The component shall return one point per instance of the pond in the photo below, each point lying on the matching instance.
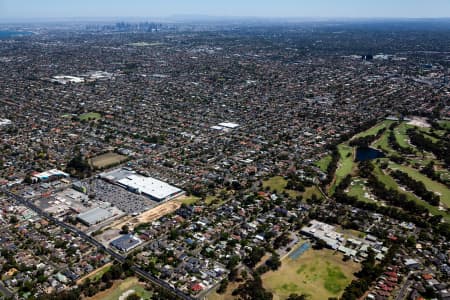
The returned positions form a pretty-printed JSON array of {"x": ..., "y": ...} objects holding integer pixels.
[{"x": 367, "y": 153}]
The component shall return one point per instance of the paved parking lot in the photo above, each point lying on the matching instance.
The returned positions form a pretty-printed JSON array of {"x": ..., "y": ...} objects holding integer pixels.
[{"x": 126, "y": 201}]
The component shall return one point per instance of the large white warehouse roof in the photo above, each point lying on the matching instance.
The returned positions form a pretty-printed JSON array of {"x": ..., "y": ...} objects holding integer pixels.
[{"x": 150, "y": 186}]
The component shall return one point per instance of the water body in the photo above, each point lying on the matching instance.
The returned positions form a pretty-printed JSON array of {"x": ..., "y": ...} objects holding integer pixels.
[
  {"x": 10, "y": 34},
  {"x": 367, "y": 153}
]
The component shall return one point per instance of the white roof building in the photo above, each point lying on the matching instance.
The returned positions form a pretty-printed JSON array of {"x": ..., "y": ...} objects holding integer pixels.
[
  {"x": 94, "y": 216},
  {"x": 149, "y": 186},
  {"x": 229, "y": 125}
]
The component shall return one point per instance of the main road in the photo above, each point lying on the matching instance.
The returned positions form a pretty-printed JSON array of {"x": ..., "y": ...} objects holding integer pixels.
[{"x": 135, "y": 268}]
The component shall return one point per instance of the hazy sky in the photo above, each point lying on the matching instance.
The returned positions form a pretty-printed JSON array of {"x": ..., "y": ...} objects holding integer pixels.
[{"x": 25, "y": 9}]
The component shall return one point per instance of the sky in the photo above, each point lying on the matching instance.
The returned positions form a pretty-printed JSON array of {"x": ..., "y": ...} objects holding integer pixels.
[{"x": 51, "y": 9}]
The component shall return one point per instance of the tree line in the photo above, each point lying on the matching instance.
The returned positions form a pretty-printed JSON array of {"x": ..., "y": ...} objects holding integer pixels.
[
  {"x": 418, "y": 187},
  {"x": 440, "y": 149}
]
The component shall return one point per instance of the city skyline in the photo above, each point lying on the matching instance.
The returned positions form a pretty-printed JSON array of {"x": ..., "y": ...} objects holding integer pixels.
[{"x": 51, "y": 9}]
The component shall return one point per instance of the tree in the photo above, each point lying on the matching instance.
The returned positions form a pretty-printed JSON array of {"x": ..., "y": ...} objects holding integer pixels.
[
  {"x": 125, "y": 229},
  {"x": 28, "y": 179},
  {"x": 255, "y": 256},
  {"x": 223, "y": 286},
  {"x": 253, "y": 290},
  {"x": 13, "y": 220},
  {"x": 274, "y": 262},
  {"x": 79, "y": 166},
  {"x": 133, "y": 296},
  {"x": 233, "y": 262}
]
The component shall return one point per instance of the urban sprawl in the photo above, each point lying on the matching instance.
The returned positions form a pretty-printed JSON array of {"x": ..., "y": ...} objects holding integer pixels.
[{"x": 225, "y": 161}]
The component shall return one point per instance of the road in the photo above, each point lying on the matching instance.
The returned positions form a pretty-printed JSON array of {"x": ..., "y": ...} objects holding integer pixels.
[
  {"x": 403, "y": 291},
  {"x": 91, "y": 240},
  {"x": 4, "y": 291}
]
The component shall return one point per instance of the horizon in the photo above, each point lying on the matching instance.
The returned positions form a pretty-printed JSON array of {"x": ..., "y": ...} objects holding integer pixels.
[{"x": 18, "y": 10}]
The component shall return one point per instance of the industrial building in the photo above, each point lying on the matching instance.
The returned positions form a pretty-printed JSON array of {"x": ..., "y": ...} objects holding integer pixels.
[
  {"x": 94, "y": 216},
  {"x": 126, "y": 242}
]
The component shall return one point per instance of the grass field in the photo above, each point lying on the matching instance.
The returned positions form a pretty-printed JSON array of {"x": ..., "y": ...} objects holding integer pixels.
[
  {"x": 312, "y": 190},
  {"x": 323, "y": 163},
  {"x": 319, "y": 274},
  {"x": 121, "y": 287},
  {"x": 106, "y": 160},
  {"x": 276, "y": 183},
  {"x": 189, "y": 200},
  {"x": 90, "y": 116}
]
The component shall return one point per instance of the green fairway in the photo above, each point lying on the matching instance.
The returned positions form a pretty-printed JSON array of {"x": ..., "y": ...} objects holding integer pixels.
[
  {"x": 318, "y": 273},
  {"x": 357, "y": 189},
  {"x": 382, "y": 143},
  {"x": 345, "y": 165},
  {"x": 445, "y": 124},
  {"x": 389, "y": 182},
  {"x": 374, "y": 130},
  {"x": 323, "y": 163},
  {"x": 90, "y": 116},
  {"x": 431, "y": 185},
  {"x": 401, "y": 136}
]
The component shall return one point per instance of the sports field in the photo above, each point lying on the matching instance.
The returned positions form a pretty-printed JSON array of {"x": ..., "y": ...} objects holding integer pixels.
[
  {"x": 318, "y": 273},
  {"x": 121, "y": 287},
  {"x": 278, "y": 184},
  {"x": 90, "y": 116},
  {"x": 106, "y": 160}
]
